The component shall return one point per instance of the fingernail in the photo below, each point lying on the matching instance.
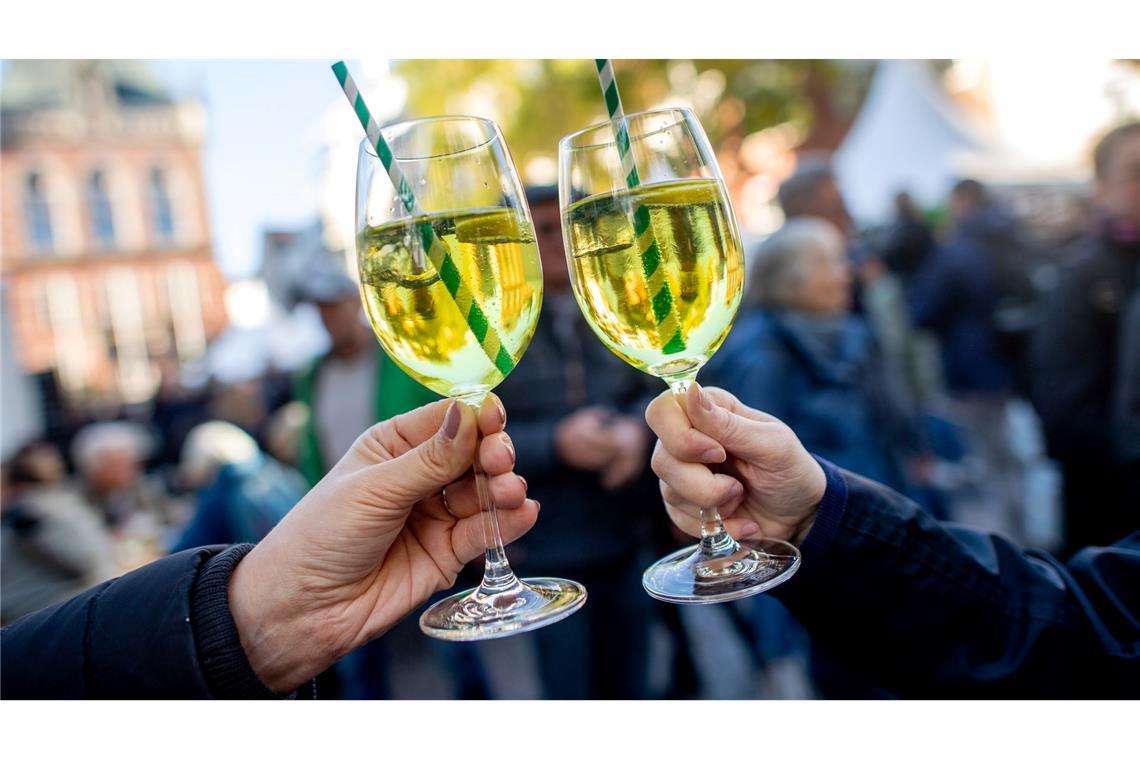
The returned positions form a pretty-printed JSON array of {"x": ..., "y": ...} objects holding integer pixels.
[
  {"x": 525, "y": 486},
  {"x": 502, "y": 412},
  {"x": 735, "y": 491},
  {"x": 706, "y": 402},
  {"x": 748, "y": 528},
  {"x": 537, "y": 504},
  {"x": 712, "y": 455},
  {"x": 451, "y": 422},
  {"x": 506, "y": 439}
]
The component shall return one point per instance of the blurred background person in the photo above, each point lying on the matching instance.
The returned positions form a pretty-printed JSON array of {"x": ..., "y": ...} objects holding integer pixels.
[
  {"x": 909, "y": 239},
  {"x": 53, "y": 544},
  {"x": 813, "y": 192},
  {"x": 955, "y": 295},
  {"x": 1076, "y": 348},
  {"x": 283, "y": 432},
  {"x": 110, "y": 459},
  {"x": 799, "y": 353},
  {"x": 354, "y": 384},
  {"x": 1126, "y": 405},
  {"x": 240, "y": 492},
  {"x": 577, "y": 421},
  {"x": 351, "y": 386}
]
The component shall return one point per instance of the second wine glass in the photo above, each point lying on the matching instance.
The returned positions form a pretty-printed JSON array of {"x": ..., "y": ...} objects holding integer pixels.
[
  {"x": 657, "y": 268},
  {"x": 452, "y": 284}
]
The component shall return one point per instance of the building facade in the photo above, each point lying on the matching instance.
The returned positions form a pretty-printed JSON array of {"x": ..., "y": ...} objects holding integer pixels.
[{"x": 106, "y": 248}]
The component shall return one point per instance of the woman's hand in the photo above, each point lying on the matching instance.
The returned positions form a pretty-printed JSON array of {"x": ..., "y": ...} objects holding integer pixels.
[{"x": 374, "y": 539}]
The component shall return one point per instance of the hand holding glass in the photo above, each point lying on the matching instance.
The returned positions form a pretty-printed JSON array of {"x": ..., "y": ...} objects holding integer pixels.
[
  {"x": 658, "y": 271},
  {"x": 457, "y": 317}
]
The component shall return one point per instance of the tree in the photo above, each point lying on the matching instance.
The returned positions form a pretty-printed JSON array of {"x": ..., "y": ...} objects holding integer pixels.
[{"x": 536, "y": 102}]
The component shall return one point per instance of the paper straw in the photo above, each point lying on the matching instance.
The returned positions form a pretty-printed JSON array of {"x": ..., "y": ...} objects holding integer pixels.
[
  {"x": 668, "y": 324},
  {"x": 437, "y": 251}
]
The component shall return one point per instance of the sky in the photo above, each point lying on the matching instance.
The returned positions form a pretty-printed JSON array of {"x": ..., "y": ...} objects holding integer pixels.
[{"x": 262, "y": 153}]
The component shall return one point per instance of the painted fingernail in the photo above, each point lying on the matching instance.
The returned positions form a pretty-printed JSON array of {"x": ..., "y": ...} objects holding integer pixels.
[
  {"x": 506, "y": 439},
  {"x": 451, "y": 422},
  {"x": 706, "y": 402}
]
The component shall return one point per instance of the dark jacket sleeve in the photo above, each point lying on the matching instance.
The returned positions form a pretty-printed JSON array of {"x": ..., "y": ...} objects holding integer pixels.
[
  {"x": 160, "y": 632},
  {"x": 933, "y": 610}
]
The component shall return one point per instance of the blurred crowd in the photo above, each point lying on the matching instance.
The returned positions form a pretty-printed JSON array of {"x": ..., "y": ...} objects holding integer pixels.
[{"x": 991, "y": 375}]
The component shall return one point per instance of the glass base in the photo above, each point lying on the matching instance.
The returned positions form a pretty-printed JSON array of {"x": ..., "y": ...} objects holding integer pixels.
[
  {"x": 689, "y": 577},
  {"x": 522, "y": 606}
]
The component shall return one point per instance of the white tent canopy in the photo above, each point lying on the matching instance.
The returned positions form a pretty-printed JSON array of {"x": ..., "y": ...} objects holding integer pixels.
[{"x": 907, "y": 136}]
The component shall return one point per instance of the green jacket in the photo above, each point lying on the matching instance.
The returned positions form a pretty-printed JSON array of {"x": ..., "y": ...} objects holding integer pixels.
[{"x": 396, "y": 393}]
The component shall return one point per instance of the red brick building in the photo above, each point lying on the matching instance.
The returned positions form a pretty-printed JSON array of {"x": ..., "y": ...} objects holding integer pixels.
[{"x": 106, "y": 255}]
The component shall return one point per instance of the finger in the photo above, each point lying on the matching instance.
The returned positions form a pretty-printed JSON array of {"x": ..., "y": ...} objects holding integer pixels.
[
  {"x": 416, "y": 426},
  {"x": 497, "y": 454},
  {"x": 467, "y": 535},
  {"x": 672, "y": 427},
  {"x": 492, "y": 415},
  {"x": 437, "y": 461},
  {"x": 508, "y": 491},
  {"x": 742, "y": 435},
  {"x": 695, "y": 483},
  {"x": 730, "y": 402},
  {"x": 726, "y": 508}
]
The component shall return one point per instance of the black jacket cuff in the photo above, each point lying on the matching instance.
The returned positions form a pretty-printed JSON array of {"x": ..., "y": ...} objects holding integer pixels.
[{"x": 223, "y": 661}]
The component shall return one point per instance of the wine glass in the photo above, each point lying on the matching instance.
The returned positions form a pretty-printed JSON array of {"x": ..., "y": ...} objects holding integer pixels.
[
  {"x": 656, "y": 265},
  {"x": 452, "y": 285}
]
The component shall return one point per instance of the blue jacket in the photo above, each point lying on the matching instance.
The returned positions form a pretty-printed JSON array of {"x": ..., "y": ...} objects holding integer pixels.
[
  {"x": 825, "y": 379},
  {"x": 927, "y": 609},
  {"x": 954, "y": 295},
  {"x": 243, "y": 503}
]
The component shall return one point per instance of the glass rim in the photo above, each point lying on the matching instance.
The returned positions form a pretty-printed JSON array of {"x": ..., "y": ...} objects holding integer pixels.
[
  {"x": 489, "y": 124},
  {"x": 683, "y": 111}
]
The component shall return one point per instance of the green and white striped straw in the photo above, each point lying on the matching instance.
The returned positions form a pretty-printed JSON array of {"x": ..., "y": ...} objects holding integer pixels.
[
  {"x": 668, "y": 323},
  {"x": 437, "y": 252}
]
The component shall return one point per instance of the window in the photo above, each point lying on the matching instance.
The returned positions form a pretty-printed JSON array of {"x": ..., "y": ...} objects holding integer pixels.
[
  {"x": 102, "y": 220},
  {"x": 161, "y": 208},
  {"x": 37, "y": 214}
]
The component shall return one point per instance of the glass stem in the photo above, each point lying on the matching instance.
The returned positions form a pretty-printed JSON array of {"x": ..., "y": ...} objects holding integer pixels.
[
  {"x": 497, "y": 573},
  {"x": 715, "y": 540}
]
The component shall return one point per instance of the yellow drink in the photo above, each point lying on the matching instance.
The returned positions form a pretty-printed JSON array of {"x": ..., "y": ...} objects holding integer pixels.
[
  {"x": 704, "y": 269},
  {"x": 415, "y": 317}
]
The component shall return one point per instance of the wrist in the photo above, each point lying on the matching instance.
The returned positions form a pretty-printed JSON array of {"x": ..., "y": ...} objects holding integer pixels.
[
  {"x": 272, "y": 630},
  {"x": 827, "y": 514}
]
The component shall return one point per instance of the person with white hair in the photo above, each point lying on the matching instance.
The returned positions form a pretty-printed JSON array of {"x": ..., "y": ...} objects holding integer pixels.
[
  {"x": 109, "y": 458},
  {"x": 241, "y": 493},
  {"x": 799, "y": 353}
]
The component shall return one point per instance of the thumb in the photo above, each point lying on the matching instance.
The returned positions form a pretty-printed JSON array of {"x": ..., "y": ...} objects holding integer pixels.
[
  {"x": 739, "y": 435},
  {"x": 437, "y": 461}
]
